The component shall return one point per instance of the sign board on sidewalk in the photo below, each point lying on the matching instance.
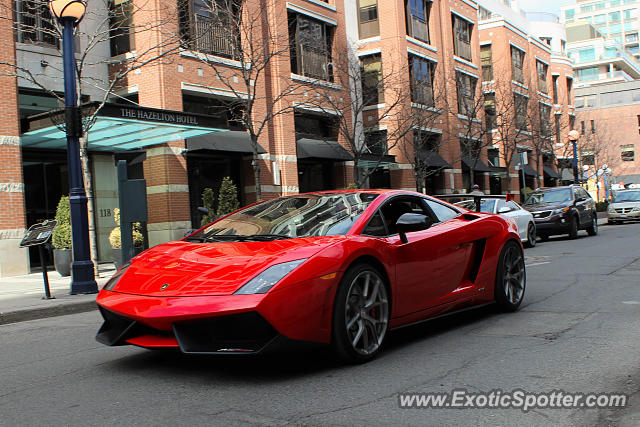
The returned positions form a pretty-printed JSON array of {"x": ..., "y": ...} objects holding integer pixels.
[{"x": 38, "y": 234}]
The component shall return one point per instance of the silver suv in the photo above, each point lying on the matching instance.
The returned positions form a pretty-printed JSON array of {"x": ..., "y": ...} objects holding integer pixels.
[{"x": 625, "y": 207}]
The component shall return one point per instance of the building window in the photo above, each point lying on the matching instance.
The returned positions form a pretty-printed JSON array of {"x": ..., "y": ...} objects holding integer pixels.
[
  {"x": 461, "y": 37},
  {"x": 368, "y": 18},
  {"x": 627, "y": 153},
  {"x": 545, "y": 119},
  {"x": 493, "y": 156},
  {"x": 421, "y": 72},
  {"x": 484, "y": 13},
  {"x": 466, "y": 87},
  {"x": 520, "y": 102},
  {"x": 517, "y": 64},
  {"x": 311, "y": 42},
  {"x": 208, "y": 26},
  {"x": 572, "y": 122},
  {"x": 557, "y": 129},
  {"x": 315, "y": 126},
  {"x": 614, "y": 17},
  {"x": 417, "y": 12},
  {"x": 371, "y": 77},
  {"x": 487, "y": 63},
  {"x": 600, "y": 19},
  {"x": 582, "y": 127},
  {"x": 121, "y": 27},
  {"x": 490, "y": 110},
  {"x": 630, "y": 38},
  {"x": 569, "y": 90},
  {"x": 542, "y": 69},
  {"x": 555, "y": 88},
  {"x": 593, "y": 126},
  {"x": 587, "y": 74},
  {"x": 35, "y": 24},
  {"x": 376, "y": 142}
]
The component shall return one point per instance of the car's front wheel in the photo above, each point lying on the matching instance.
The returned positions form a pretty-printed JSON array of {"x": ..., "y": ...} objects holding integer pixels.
[
  {"x": 360, "y": 314},
  {"x": 592, "y": 230},
  {"x": 531, "y": 235},
  {"x": 511, "y": 277},
  {"x": 573, "y": 227}
]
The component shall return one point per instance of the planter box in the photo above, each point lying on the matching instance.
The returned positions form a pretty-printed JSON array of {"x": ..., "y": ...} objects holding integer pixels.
[{"x": 62, "y": 261}]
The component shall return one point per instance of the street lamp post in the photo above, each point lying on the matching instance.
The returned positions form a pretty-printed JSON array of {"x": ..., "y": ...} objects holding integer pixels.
[
  {"x": 574, "y": 135},
  {"x": 69, "y": 13}
]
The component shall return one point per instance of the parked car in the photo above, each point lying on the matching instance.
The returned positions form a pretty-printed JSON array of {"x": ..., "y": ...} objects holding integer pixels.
[
  {"x": 340, "y": 268},
  {"x": 524, "y": 218},
  {"x": 624, "y": 207},
  {"x": 562, "y": 210}
]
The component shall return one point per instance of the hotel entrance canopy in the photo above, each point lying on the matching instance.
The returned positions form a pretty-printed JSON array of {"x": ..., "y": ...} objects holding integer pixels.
[{"x": 121, "y": 127}]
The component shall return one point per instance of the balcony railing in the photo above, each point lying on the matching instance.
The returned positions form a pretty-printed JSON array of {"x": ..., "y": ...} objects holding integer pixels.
[
  {"x": 462, "y": 49},
  {"x": 518, "y": 74},
  {"x": 313, "y": 63},
  {"x": 419, "y": 29},
  {"x": 212, "y": 36}
]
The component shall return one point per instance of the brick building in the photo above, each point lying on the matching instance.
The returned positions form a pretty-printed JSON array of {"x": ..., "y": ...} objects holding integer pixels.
[{"x": 176, "y": 119}]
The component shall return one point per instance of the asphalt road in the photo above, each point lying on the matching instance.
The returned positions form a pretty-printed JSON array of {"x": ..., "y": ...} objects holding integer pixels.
[{"x": 578, "y": 331}]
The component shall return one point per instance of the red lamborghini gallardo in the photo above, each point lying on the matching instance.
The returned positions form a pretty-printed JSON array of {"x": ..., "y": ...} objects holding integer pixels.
[{"x": 339, "y": 268}]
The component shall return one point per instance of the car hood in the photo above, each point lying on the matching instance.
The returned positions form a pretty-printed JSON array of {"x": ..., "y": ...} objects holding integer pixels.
[
  {"x": 545, "y": 206},
  {"x": 621, "y": 205},
  {"x": 198, "y": 269}
]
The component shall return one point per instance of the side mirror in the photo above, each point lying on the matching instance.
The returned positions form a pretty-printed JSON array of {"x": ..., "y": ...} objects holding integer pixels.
[
  {"x": 504, "y": 209},
  {"x": 411, "y": 222}
]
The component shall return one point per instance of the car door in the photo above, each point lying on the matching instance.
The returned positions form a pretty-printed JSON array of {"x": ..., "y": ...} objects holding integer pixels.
[
  {"x": 428, "y": 265},
  {"x": 582, "y": 205}
]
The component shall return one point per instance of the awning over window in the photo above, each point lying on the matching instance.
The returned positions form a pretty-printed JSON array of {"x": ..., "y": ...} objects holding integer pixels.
[
  {"x": 320, "y": 149},
  {"x": 121, "y": 127},
  {"x": 479, "y": 167},
  {"x": 528, "y": 170},
  {"x": 236, "y": 141},
  {"x": 432, "y": 160},
  {"x": 548, "y": 170}
]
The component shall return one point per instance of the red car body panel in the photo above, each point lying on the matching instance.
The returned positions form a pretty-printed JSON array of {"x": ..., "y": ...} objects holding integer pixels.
[{"x": 458, "y": 259}]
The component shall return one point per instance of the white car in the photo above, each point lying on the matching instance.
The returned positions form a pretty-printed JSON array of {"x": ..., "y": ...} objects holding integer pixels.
[{"x": 523, "y": 218}]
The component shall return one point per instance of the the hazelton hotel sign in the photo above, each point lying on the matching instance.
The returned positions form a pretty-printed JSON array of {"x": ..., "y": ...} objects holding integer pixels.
[{"x": 160, "y": 116}]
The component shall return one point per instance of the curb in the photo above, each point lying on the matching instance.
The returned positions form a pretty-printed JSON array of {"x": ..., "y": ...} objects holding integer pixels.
[{"x": 41, "y": 313}]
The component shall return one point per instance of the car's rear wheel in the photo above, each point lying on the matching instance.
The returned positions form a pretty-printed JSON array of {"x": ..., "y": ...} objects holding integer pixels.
[
  {"x": 573, "y": 227},
  {"x": 531, "y": 235},
  {"x": 592, "y": 230},
  {"x": 360, "y": 314},
  {"x": 511, "y": 277}
]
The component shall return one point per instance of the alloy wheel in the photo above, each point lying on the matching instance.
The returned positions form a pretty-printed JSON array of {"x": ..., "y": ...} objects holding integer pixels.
[
  {"x": 366, "y": 312},
  {"x": 513, "y": 275},
  {"x": 531, "y": 234}
]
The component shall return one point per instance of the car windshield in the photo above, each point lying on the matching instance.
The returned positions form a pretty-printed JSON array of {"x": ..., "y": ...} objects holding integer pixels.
[
  {"x": 288, "y": 217},
  {"x": 559, "y": 195},
  {"x": 627, "y": 196},
  {"x": 486, "y": 205}
]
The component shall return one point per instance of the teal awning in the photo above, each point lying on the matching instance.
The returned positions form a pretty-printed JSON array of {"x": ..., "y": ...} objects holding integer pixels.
[{"x": 121, "y": 127}]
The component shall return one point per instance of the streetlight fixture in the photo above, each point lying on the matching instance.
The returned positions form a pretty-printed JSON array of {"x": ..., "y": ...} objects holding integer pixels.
[
  {"x": 574, "y": 135},
  {"x": 69, "y": 13}
]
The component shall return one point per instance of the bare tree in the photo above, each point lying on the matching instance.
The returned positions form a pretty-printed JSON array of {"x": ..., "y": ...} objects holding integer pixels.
[
  {"x": 106, "y": 25},
  {"x": 370, "y": 117},
  {"x": 542, "y": 131},
  {"x": 253, "y": 35}
]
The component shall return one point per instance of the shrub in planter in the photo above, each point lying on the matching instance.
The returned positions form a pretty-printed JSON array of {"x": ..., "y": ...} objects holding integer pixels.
[
  {"x": 115, "y": 239},
  {"x": 61, "y": 238},
  {"x": 602, "y": 206},
  {"x": 208, "y": 198},
  {"x": 228, "y": 197}
]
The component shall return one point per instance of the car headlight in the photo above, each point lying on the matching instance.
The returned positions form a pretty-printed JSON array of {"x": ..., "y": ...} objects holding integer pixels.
[
  {"x": 268, "y": 278},
  {"x": 111, "y": 283},
  {"x": 636, "y": 209},
  {"x": 611, "y": 209},
  {"x": 559, "y": 211}
]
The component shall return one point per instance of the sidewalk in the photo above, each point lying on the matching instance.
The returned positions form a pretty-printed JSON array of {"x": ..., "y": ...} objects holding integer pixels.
[{"x": 21, "y": 297}]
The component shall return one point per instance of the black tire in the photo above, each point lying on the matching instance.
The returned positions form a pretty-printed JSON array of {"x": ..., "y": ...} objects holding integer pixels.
[
  {"x": 592, "y": 230},
  {"x": 348, "y": 303},
  {"x": 573, "y": 227},
  {"x": 531, "y": 235},
  {"x": 543, "y": 237},
  {"x": 511, "y": 277}
]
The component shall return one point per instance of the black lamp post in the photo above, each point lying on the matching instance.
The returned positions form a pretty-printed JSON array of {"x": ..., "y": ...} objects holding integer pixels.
[
  {"x": 69, "y": 13},
  {"x": 574, "y": 135}
]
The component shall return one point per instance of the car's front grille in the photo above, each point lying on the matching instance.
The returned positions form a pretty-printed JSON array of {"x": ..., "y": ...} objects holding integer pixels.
[
  {"x": 623, "y": 210},
  {"x": 116, "y": 329},
  {"x": 541, "y": 214}
]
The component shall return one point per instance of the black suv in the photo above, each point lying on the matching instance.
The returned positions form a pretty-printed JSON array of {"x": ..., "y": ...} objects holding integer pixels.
[{"x": 560, "y": 210}]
